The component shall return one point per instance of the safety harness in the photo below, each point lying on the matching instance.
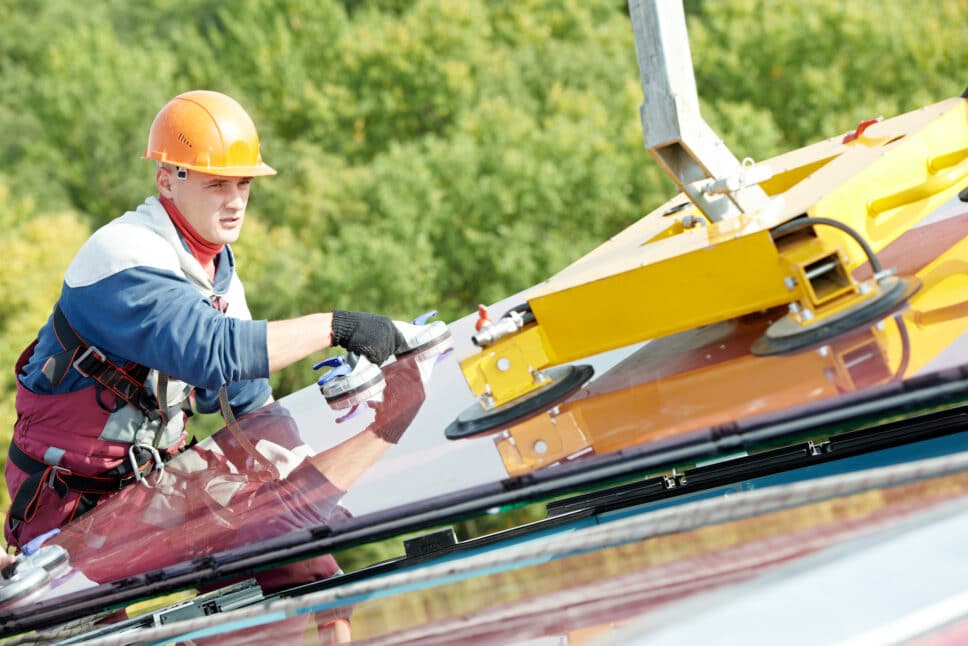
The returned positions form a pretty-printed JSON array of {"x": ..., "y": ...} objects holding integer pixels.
[{"x": 127, "y": 385}]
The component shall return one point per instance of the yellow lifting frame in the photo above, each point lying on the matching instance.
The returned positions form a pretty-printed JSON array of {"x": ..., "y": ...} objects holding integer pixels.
[
  {"x": 675, "y": 279},
  {"x": 920, "y": 160}
]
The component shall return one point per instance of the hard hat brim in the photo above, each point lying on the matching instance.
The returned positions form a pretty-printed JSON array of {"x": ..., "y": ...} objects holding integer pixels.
[{"x": 262, "y": 170}]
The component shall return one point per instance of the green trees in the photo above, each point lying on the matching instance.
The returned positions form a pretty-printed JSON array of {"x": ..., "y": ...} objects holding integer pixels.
[
  {"x": 32, "y": 244},
  {"x": 818, "y": 68},
  {"x": 431, "y": 153}
]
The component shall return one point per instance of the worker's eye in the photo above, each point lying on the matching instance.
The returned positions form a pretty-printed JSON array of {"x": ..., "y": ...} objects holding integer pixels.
[{"x": 245, "y": 182}]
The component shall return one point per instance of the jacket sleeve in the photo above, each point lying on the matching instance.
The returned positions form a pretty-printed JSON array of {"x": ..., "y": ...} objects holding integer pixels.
[{"x": 143, "y": 309}]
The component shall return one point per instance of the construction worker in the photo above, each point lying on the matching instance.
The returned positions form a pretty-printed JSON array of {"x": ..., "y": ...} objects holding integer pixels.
[{"x": 152, "y": 317}]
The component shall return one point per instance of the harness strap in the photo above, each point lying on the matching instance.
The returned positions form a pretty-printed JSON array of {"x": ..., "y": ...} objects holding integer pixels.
[
  {"x": 127, "y": 385},
  {"x": 232, "y": 424},
  {"x": 163, "y": 408},
  {"x": 62, "y": 480}
]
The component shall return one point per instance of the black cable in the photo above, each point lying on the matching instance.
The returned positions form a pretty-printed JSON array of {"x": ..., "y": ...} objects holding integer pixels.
[
  {"x": 806, "y": 221},
  {"x": 902, "y": 366}
]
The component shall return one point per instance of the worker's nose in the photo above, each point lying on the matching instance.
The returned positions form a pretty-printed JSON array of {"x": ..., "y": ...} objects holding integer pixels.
[{"x": 237, "y": 198}]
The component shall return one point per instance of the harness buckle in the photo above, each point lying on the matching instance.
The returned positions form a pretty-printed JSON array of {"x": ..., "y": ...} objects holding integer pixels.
[
  {"x": 136, "y": 469},
  {"x": 91, "y": 350},
  {"x": 53, "y": 475}
]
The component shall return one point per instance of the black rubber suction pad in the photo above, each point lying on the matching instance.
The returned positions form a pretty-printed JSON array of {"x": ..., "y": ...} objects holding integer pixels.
[
  {"x": 787, "y": 335},
  {"x": 476, "y": 419}
]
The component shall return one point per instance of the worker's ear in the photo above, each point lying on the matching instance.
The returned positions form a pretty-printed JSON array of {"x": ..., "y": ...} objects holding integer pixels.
[{"x": 163, "y": 182}]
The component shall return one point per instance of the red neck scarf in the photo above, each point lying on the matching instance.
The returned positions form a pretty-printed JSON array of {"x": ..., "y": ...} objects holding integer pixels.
[{"x": 203, "y": 250}]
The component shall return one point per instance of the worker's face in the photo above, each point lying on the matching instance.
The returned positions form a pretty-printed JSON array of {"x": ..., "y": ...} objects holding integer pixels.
[{"x": 213, "y": 204}]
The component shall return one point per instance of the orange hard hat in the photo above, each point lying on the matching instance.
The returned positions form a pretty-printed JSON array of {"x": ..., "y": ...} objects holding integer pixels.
[{"x": 207, "y": 132}]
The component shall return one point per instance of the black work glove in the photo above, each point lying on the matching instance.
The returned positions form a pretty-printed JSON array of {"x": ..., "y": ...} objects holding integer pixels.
[{"x": 373, "y": 336}]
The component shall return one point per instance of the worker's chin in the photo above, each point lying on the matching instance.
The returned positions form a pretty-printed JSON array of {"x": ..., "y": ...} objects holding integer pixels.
[{"x": 229, "y": 235}]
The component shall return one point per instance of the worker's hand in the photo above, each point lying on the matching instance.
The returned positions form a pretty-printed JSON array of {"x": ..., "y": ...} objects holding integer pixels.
[{"x": 373, "y": 336}]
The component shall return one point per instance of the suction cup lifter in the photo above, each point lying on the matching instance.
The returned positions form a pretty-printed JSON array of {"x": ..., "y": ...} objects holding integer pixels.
[
  {"x": 559, "y": 383},
  {"x": 349, "y": 374},
  {"x": 509, "y": 375},
  {"x": 792, "y": 265},
  {"x": 766, "y": 242},
  {"x": 30, "y": 575},
  {"x": 829, "y": 300},
  {"x": 352, "y": 375},
  {"x": 420, "y": 334}
]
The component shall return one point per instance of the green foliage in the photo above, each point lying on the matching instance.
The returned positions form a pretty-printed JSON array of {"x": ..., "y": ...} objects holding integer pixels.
[
  {"x": 820, "y": 67},
  {"x": 431, "y": 153},
  {"x": 31, "y": 244}
]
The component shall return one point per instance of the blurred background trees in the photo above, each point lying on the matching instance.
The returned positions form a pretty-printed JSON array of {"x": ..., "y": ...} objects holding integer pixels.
[{"x": 432, "y": 154}]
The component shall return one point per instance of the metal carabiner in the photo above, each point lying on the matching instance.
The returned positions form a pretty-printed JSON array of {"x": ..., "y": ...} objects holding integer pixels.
[{"x": 155, "y": 455}]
